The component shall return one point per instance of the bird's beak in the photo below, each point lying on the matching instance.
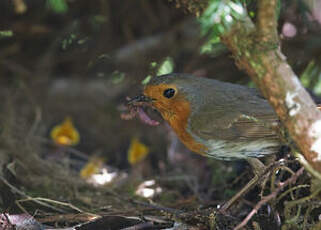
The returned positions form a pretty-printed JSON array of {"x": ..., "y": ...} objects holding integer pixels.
[{"x": 140, "y": 99}]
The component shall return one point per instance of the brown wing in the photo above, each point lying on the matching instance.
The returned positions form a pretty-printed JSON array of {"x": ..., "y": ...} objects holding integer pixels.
[{"x": 241, "y": 123}]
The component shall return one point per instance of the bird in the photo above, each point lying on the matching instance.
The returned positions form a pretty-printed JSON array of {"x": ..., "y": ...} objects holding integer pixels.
[{"x": 216, "y": 119}]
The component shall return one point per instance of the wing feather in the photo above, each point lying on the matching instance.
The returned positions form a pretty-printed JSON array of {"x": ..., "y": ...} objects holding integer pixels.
[{"x": 234, "y": 122}]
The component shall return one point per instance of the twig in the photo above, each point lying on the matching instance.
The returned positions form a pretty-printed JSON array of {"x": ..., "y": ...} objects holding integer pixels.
[
  {"x": 79, "y": 217},
  {"x": 300, "y": 201},
  {"x": 291, "y": 190},
  {"x": 38, "y": 115},
  {"x": 267, "y": 198},
  {"x": 169, "y": 210},
  {"x": 274, "y": 174},
  {"x": 52, "y": 201},
  {"x": 307, "y": 166},
  {"x": 40, "y": 200},
  {"x": 16, "y": 190}
]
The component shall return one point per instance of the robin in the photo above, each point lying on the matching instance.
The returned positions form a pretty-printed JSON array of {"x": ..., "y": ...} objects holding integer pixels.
[{"x": 216, "y": 119}]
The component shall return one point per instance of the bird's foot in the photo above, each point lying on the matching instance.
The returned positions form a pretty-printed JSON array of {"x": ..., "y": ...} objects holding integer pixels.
[{"x": 260, "y": 178}]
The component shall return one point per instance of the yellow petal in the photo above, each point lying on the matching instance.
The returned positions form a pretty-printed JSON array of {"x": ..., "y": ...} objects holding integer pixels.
[
  {"x": 137, "y": 151},
  {"x": 93, "y": 166},
  {"x": 65, "y": 133}
]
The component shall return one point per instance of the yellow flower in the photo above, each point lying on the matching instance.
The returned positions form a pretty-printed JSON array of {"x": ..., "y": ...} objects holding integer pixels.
[
  {"x": 137, "y": 151},
  {"x": 65, "y": 133},
  {"x": 93, "y": 166}
]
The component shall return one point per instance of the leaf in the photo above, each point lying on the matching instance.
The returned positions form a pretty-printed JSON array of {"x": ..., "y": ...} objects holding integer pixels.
[
  {"x": 117, "y": 77},
  {"x": 219, "y": 16},
  {"x": 146, "y": 80},
  {"x": 311, "y": 77},
  {"x": 137, "y": 151},
  {"x": 166, "y": 67},
  {"x": 6, "y": 33},
  {"x": 58, "y": 6},
  {"x": 65, "y": 133}
]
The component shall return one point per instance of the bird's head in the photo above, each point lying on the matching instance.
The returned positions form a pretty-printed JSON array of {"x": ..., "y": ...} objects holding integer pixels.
[{"x": 170, "y": 94}]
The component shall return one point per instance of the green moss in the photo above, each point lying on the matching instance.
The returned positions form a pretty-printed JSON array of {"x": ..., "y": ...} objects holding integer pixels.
[{"x": 257, "y": 66}]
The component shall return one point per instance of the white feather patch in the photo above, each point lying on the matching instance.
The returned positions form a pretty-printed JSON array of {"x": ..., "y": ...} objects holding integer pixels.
[{"x": 233, "y": 149}]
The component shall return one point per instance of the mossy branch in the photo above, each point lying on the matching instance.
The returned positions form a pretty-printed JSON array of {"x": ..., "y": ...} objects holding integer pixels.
[
  {"x": 257, "y": 51},
  {"x": 267, "y": 20}
]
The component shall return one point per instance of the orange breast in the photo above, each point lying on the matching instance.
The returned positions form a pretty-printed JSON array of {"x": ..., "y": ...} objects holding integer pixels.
[
  {"x": 179, "y": 122},
  {"x": 176, "y": 111}
]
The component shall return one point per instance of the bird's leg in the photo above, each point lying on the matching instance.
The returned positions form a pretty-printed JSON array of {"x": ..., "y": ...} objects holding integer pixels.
[
  {"x": 257, "y": 166},
  {"x": 258, "y": 170}
]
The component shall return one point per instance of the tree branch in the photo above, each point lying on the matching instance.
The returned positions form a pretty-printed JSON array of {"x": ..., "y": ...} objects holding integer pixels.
[
  {"x": 256, "y": 51},
  {"x": 267, "y": 20}
]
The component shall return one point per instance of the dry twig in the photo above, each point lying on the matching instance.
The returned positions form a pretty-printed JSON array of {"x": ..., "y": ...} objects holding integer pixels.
[{"x": 267, "y": 198}]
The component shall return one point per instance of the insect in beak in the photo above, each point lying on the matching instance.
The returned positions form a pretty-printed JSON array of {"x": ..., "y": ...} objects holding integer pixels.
[{"x": 140, "y": 100}]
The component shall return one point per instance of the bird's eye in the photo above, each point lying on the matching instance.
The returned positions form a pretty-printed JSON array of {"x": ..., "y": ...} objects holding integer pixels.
[{"x": 169, "y": 92}]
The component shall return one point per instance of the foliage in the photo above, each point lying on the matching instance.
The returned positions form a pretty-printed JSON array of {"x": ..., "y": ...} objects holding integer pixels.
[
  {"x": 6, "y": 33},
  {"x": 216, "y": 19},
  {"x": 57, "y": 6},
  {"x": 166, "y": 66},
  {"x": 220, "y": 15},
  {"x": 311, "y": 77}
]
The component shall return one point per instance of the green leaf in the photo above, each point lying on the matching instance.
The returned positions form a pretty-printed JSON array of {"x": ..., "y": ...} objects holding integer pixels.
[
  {"x": 68, "y": 41},
  {"x": 153, "y": 64},
  {"x": 317, "y": 87},
  {"x": 146, "y": 80},
  {"x": 311, "y": 77},
  {"x": 57, "y": 6},
  {"x": 216, "y": 20},
  {"x": 6, "y": 33},
  {"x": 220, "y": 15},
  {"x": 166, "y": 67},
  {"x": 117, "y": 77},
  {"x": 213, "y": 48},
  {"x": 306, "y": 75}
]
